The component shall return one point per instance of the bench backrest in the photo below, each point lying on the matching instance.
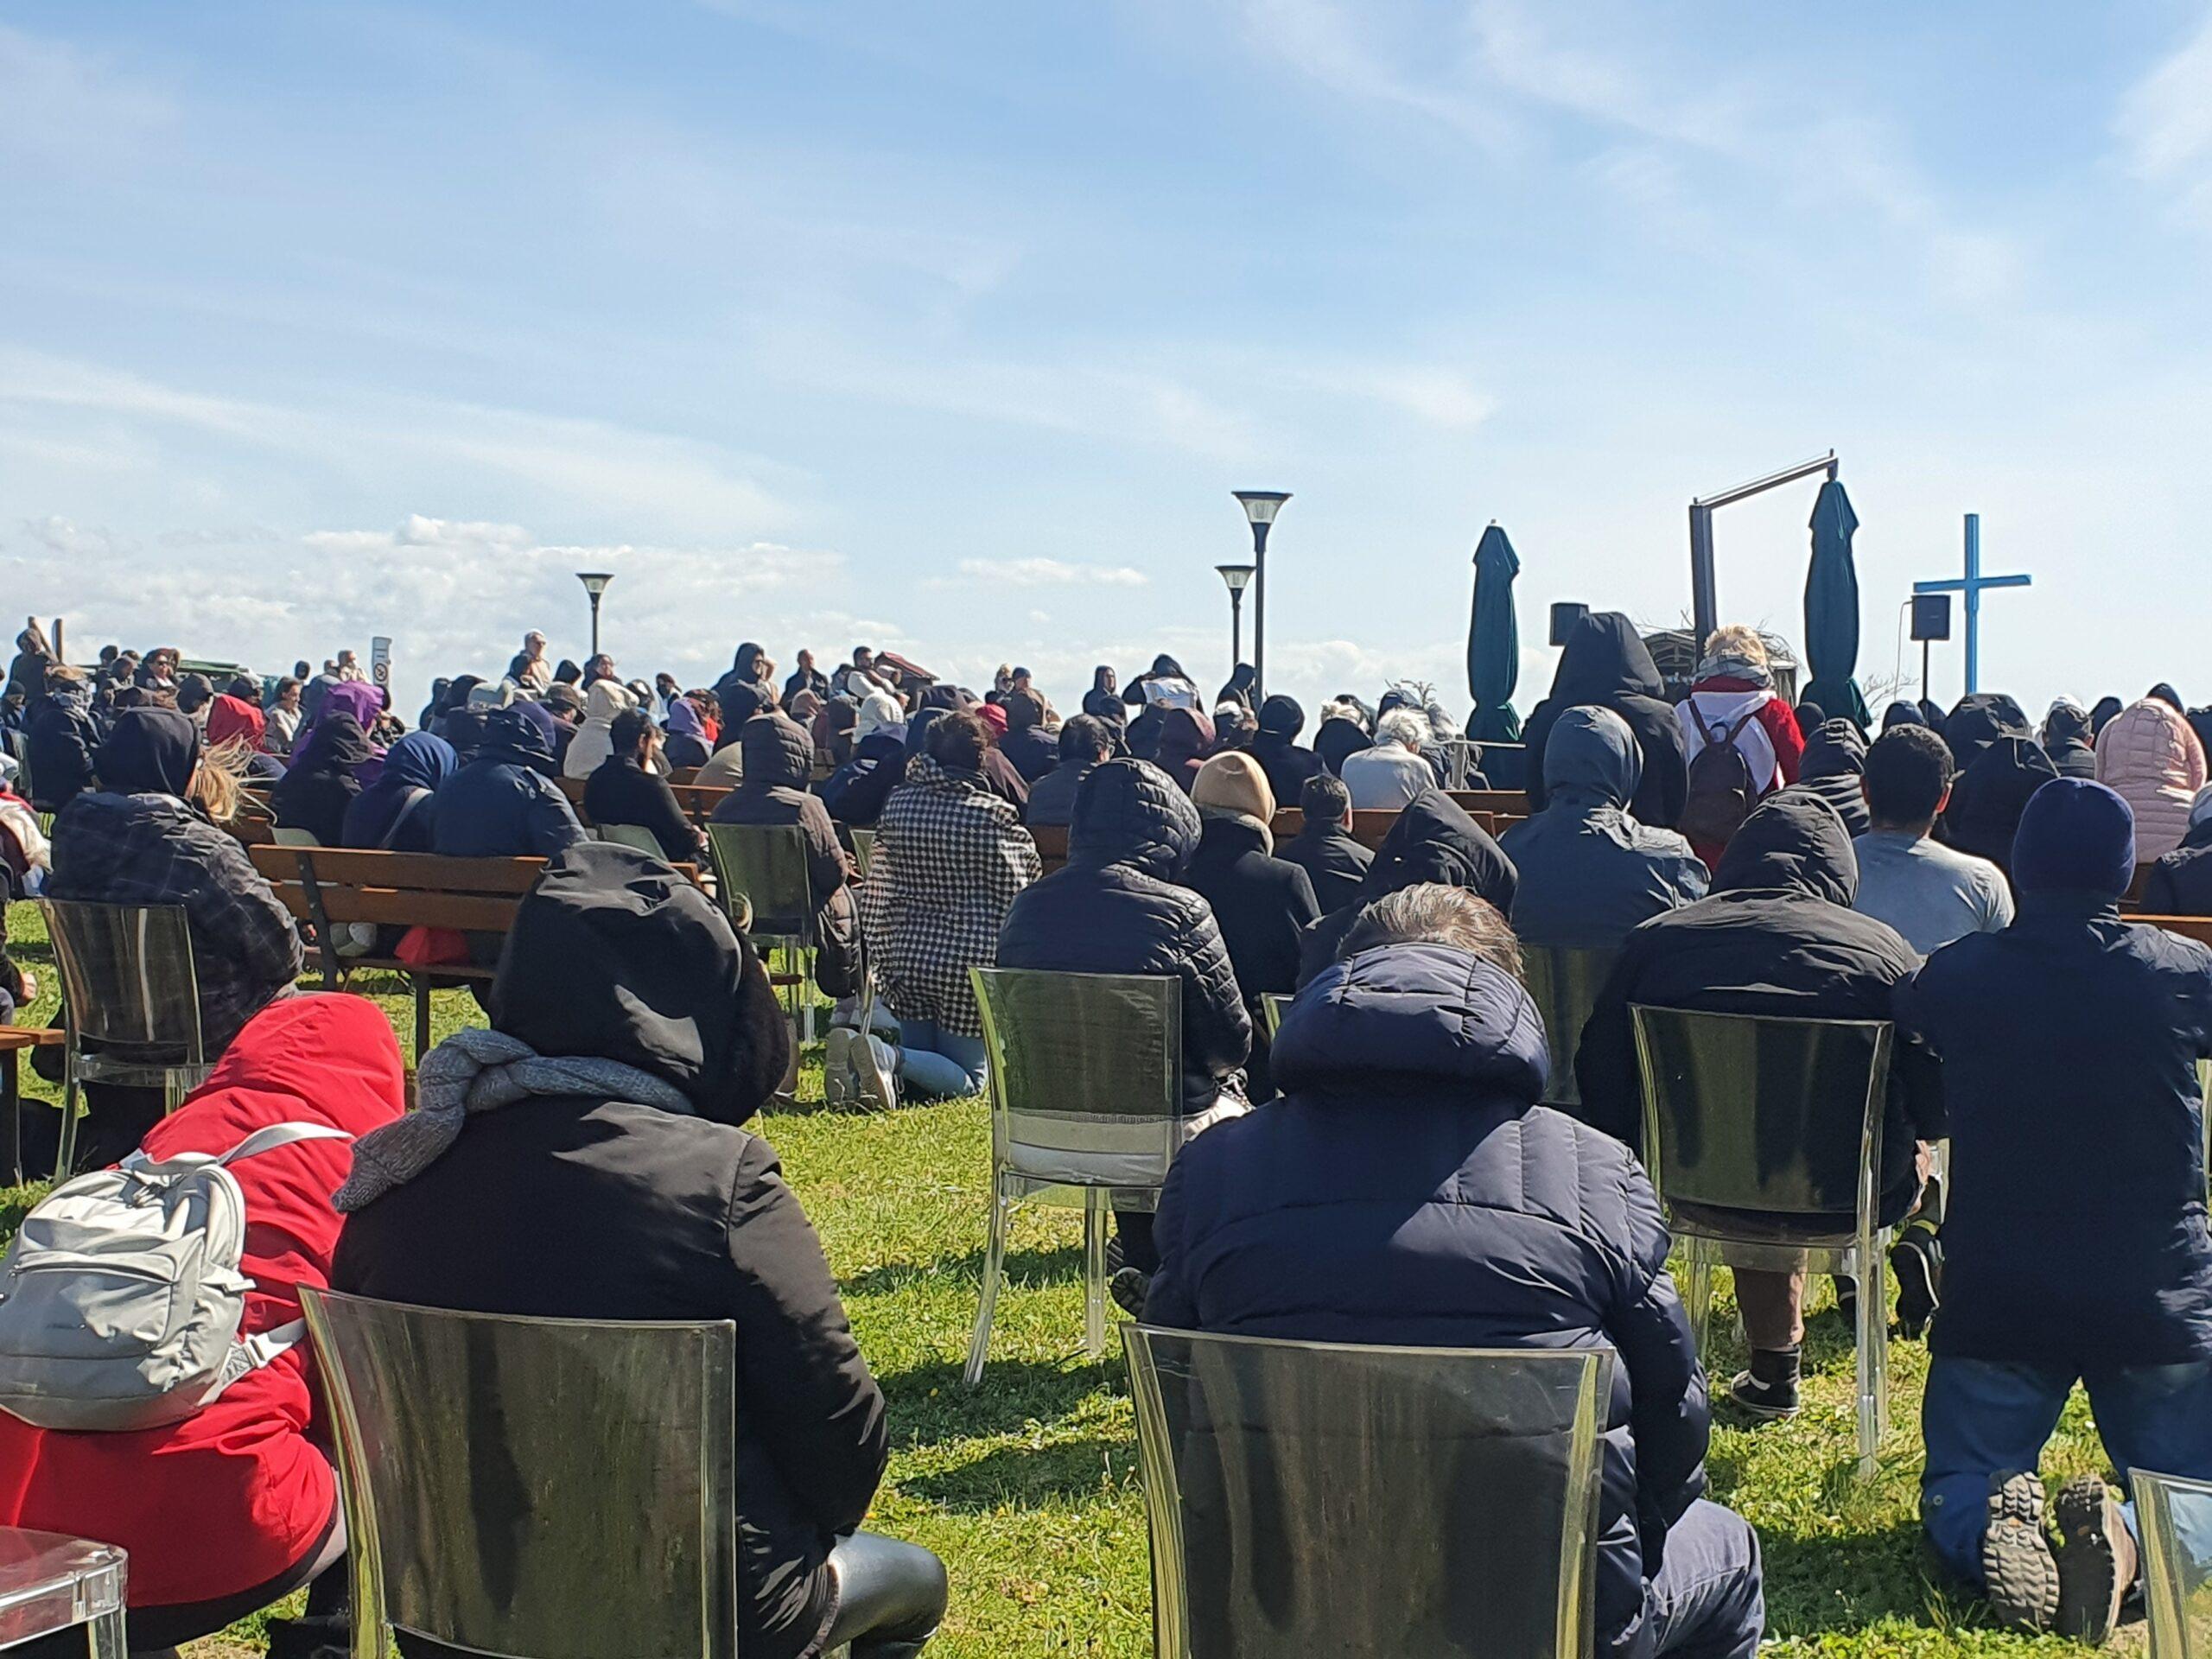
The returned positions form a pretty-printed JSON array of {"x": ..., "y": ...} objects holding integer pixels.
[{"x": 471, "y": 895}]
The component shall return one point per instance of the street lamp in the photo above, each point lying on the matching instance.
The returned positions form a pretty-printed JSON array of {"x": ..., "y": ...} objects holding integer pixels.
[
  {"x": 1239, "y": 577},
  {"x": 1261, "y": 507},
  {"x": 594, "y": 583}
]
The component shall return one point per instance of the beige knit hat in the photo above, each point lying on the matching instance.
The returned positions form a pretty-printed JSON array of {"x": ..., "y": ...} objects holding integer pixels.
[{"x": 1233, "y": 782}]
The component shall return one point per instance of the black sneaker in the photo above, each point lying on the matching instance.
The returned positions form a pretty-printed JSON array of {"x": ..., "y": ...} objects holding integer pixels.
[
  {"x": 2019, "y": 1575},
  {"x": 1847, "y": 1298},
  {"x": 1768, "y": 1401},
  {"x": 1128, "y": 1287},
  {"x": 1918, "y": 1260},
  {"x": 2096, "y": 1559}
]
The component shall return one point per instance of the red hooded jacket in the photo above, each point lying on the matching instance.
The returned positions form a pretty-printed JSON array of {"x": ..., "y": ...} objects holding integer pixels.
[{"x": 235, "y": 1495}]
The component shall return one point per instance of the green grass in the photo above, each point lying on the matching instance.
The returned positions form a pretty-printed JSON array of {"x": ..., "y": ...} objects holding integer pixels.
[{"x": 1029, "y": 1490}]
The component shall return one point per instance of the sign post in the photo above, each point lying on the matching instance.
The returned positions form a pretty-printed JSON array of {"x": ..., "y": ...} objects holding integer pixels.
[{"x": 380, "y": 662}]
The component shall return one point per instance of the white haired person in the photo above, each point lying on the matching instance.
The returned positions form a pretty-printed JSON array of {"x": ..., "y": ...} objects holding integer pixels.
[
  {"x": 1390, "y": 772},
  {"x": 1733, "y": 698}
]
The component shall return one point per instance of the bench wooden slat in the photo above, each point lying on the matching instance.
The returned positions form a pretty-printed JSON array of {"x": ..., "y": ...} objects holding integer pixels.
[
  {"x": 14, "y": 1038},
  {"x": 465, "y": 912},
  {"x": 2189, "y": 927},
  {"x": 344, "y": 866}
]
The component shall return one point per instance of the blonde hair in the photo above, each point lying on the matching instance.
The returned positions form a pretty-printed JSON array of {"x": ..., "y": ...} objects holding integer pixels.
[
  {"x": 1735, "y": 639},
  {"x": 216, "y": 781}
]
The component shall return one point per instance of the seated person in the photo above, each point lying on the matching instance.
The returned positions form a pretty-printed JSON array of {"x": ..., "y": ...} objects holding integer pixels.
[
  {"x": 324, "y": 779},
  {"x": 1390, "y": 773},
  {"x": 619, "y": 1185},
  {"x": 2074, "y": 1242},
  {"x": 1930, "y": 893},
  {"x": 1086, "y": 743},
  {"x": 1114, "y": 908},
  {"x": 778, "y": 759},
  {"x": 240, "y": 722},
  {"x": 631, "y": 787},
  {"x": 1990, "y": 793},
  {"x": 1324, "y": 848},
  {"x": 1274, "y": 746},
  {"x": 236, "y": 1506},
  {"x": 1776, "y": 936},
  {"x": 1588, "y": 872},
  {"x": 59, "y": 738},
  {"x": 397, "y": 812},
  {"x": 1834, "y": 762},
  {"x": 1433, "y": 840},
  {"x": 1028, "y": 747},
  {"x": 2180, "y": 884},
  {"x": 504, "y": 803},
  {"x": 855, "y": 792},
  {"x": 1408, "y": 1189}
]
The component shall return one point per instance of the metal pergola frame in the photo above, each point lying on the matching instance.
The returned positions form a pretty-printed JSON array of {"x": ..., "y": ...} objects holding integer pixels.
[{"x": 1704, "y": 597}]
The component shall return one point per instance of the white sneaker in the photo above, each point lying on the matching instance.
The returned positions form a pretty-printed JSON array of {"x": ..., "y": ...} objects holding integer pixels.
[
  {"x": 837, "y": 1066},
  {"x": 875, "y": 1071}
]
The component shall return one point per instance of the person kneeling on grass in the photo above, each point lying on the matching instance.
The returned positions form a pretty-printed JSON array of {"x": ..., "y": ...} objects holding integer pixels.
[
  {"x": 1407, "y": 1188},
  {"x": 2075, "y": 1246},
  {"x": 584, "y": 1159}
]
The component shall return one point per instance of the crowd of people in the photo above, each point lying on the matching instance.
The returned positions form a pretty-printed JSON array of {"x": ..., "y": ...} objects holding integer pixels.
[{"x": 1383, "y": 1171}]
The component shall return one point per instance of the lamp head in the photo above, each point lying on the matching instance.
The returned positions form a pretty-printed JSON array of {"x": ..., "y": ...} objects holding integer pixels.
[
  {"x": 1239, "y": 576},
  {"x": 594, "y": 582},
  {"x": 1261, "y": 505}
]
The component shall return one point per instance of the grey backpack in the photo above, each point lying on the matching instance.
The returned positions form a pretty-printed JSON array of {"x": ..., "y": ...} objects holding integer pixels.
[{"x": 121, "y": 1297}]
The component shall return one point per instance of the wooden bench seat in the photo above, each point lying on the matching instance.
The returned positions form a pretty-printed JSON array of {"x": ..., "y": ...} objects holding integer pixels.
[{"x": 15, "y": 1041}]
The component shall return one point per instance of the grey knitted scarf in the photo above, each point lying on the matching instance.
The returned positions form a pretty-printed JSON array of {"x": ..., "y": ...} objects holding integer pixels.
[{"x": 478, "y": 1071}]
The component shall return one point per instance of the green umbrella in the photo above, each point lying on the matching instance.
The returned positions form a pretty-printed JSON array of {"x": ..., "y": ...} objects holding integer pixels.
[
  {"x": 1832, "y": 611},
  {"x": 1494, "y": 642}
]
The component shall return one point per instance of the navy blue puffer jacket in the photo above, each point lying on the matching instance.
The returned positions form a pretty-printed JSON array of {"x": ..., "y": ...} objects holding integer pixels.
[{"x": 1405, "y": 1190}]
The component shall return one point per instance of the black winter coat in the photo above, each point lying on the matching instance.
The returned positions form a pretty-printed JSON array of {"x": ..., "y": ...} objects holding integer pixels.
[
  {"x": 1777, "y": 936},
  {"x": 1607, "y": 663},
  {"x": 1287, "y": 765},
  {"x": 855, "y": 792},
  {"x": 1114, "y": 908},
  {"x": 1835, "y": 768},
  {"x": 1406, "y": 1189},
  {"x": 1334, "y": 862},
  {"x": 778, "y": 760},
  {"x": 579, "y": 1207},
  {"x": 1032, "y": 750},
  {"x": 1990, "y": 796},
  {"x": 620, "y": 791},
  {"x": 1263, "y": 903},
  {"x": 59, "y": 744},
  {"x": 2180, "y": 884},
  {"x": 1051, "y": 798},
  {"x": 2074, "y": 1230},
  {"x": 1433, "y": 840},
  {"x": 502, "y": 804}
]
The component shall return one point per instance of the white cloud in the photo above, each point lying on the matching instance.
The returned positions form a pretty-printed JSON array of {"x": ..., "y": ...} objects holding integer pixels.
[
  {"x": 1051, "y": 573},
  {"x": 2165, "y": 123}
]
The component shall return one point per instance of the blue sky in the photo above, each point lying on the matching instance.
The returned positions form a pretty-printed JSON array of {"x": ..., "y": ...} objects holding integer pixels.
[{"x": 951, "y": 327}]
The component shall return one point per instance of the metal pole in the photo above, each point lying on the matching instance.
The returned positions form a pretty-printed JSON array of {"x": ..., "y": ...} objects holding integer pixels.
[
  {"x": 1235, "y": 629},
  {"x": 595, "y": 625},
  {"x": 1924, "y": 671},
  {"x": 1259, "y": 611},
  {"x": 1973, "y": 603},
  {"x": 1705, "y": 602}
]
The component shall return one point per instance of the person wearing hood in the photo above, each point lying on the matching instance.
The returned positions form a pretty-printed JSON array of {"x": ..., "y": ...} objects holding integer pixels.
[
  {"x": 2103, "y": 716},
  {"x": 741, "y": 692},
  {"x": 398, "y": 812},
  {"x": 1032, "y": 750},
  {"x": 1324, "y": 848},
  {"x": 1902, "y": 714},
  {"x": 2180, "y": 884},
  {"x": 1186, "y": 738},
  {"x": 1833, "y": 765},
  {"x": 950, "y": 857},
  {"x": 2075, "y": 1244},
  {"x": 357, "y": 698},
  {"x": 855, "y": 793},
  {"x": 1262, "y": 904},
  {"x": 324, "y": 779},
  {"x": 503, "y": 803},
  {"x": 136, "y": 840},
  {"x": 1406, "y": 1190},
  {"x": 1930, "y": 893},
  {"x": 2149, "y": 756},
  {"x": 60, "y": 740},
  {"x": 236, "y": 1506},
  {"x": 1990, "y": 795},
  {"x": 34, "y": 657},
  {"x": 778, "y": 760},
  {"x": 1606, "y": 664},
  {"x": 1977, "y": 721},
  {"x": 456, "y": 723},
  {"x": 628, "y": 788},
  {"x": 236, "y": 720},
  {"x": 1391, "y": 771},
  {"x": 687, "y": 735},
  {"x": 1433, "y": 840},
  {"x": 1274, "y": 746},
  {"x": 2067, "y": 740},
  {"x": 1339, "y": 737},
  {"x": 1103, "y": 700},
  {"x": 594, "y": 739},
  {"x": 1086, "y": 743},
  {"x": 1164, "y": 683},
  {"x": 1776, "y": 936},
  {"x": 1116, "y": 907},
  {"x": 585, "y": 1158},
  {"x": 1587, "y": 871}
]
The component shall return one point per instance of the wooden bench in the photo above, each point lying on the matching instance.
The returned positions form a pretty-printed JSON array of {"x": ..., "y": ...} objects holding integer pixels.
[
  {"x": 1498, "y": 803},
  {"x": 330, "y": 886},
  {"x": 2189, "y": 927},
  {"x": 14, "y": 1040}
]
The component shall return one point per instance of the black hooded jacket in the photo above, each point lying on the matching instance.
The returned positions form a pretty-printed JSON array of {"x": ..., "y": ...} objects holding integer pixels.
[
  {"x": 59, "y": 744},
  {"x": 778, "y": 760},
  {"x": 620, "y": 791},
  {"x": 323, "y": 781},
  {"x": 1337, "y": 741},
  {"x": 2180, "y": 884},
  {"x": 855, "y": 792},
  {"x": 1114, "y": 908},
  {"x": 1262, "y": 904},
  {"x": 1990, "y": 795},
  {"x": 1776, "y": 936},
  {"x": 1833, "y": 767},
  {"x": 502, "y": 803},
  {"x": 1433, "y": 840},
  {"x": 585, "y": 1207},
  {"x": 1607, "y": 663},
  {"x": 1275, "y": 747},
  {"x": 1979, "y": 721}
]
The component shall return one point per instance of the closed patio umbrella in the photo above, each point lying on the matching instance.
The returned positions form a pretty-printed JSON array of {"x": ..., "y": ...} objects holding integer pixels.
[
  {"x": 1832, "y": 611},
  {"x": 1494, "y": 642}
]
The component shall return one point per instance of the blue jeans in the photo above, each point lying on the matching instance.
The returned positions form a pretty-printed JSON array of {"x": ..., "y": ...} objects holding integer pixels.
[
  {"x": 1707, "y": 1602},
  {"x": 938, "y": 1063},
  {"x": 1980, "y": 1417}
]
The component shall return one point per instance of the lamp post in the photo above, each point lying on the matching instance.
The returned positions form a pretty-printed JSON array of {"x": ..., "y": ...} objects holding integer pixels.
[
  {"x": 594, "y": 583},
  {"x": 1238, "y": 578},
  {"x": 1260, "y": 507}
]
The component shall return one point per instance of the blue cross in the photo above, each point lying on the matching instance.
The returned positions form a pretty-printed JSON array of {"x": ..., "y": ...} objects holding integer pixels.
[{"x": 1974, "y": 583}]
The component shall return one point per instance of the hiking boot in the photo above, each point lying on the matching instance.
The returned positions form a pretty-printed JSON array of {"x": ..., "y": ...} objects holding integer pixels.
[
  {"x": 1918, "y": 1260},
  {"x": 2096, "y": 1559},
  {"x": 2019, "y": 1576},
  {"x": 837, "y": 1066},
  {"x": 1128, "y": 1287},
  {"x": 874, "y": 1065}
]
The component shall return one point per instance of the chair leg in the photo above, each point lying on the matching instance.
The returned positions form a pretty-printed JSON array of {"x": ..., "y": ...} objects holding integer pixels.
[
  {"x": 994, "y": 1267},
  {"x": 65, "y": 1155},
  {"x": 1094, "y": 1272},
  {"x": 1872, "y": 1356},
  {"x": 1698, "y": 1292}
]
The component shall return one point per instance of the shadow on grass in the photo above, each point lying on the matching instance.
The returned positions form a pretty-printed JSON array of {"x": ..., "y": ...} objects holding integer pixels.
[
  {"x": 1020, "y": 1476},
  {"x": 930, "y": 1406},
  {"x": 1025, "y": 1268},
  {"x": 1828, "y": 1582}
]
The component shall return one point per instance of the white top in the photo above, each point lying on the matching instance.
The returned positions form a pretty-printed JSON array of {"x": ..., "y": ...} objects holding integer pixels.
[{"x": 1930, "y": 893}]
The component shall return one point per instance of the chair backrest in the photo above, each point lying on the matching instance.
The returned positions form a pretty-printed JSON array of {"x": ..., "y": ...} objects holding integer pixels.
[
  {"x": 1367, "y": 1502},
  {"x": 1272, "y": 1006},
  {"x": 863, "y": 850},
  {"x": 1564, "y": 985},
  {"x": 635, "y": 837},
  {"x": 764, "y": 865},
  {"x": 1086, "y": 1074},
  {"x": 50, "y": 1582},
  {"x": 557, "y": 1489},
  {"x": 1752, "y": 1112},
  {"x": 127, "y": 974},
  {"x": 2173, "y": 1519},
  {"x": 283, "y": 835}
]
